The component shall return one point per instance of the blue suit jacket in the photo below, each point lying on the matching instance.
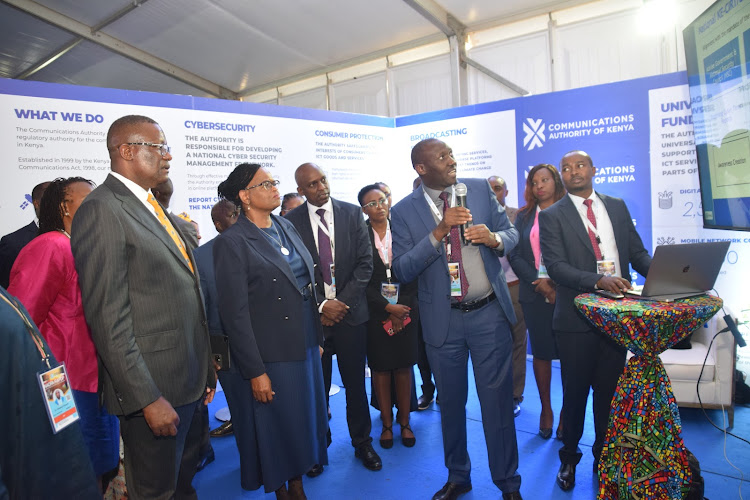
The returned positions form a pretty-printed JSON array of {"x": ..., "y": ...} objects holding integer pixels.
[
  {"x": 414, "y": 256},
  {"x": 570, "y": 259},
  {"x": 261, "y": 306},
  {"x": 204, "y": 261}
]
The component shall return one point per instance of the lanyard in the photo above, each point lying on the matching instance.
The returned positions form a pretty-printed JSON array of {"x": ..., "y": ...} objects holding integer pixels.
[
  {"x": 384, "y": 247},
  {"x": 30, "y": 328},
  {"x": 439, "y": 217},
  {"x": 435, "y": 211},
  {"x": 323, "y": 228}
]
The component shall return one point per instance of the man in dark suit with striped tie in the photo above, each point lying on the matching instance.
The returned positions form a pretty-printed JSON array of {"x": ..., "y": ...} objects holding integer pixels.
[
  {"x": 142, "y": 301},
  {"x": 336, "y": 235},
  {"x": 580, "y": 235}
]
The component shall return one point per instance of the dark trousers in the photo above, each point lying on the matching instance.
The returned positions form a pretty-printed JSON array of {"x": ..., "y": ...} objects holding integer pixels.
[
  {"x": 349, "y": 343},
  {"x": 485, "y": 334},
  {"x": 205, "y": 448},
  {"x": 588, "y": 360},
  {"x": 428, "y": 388},
  {"x": 161, "y": 468}
]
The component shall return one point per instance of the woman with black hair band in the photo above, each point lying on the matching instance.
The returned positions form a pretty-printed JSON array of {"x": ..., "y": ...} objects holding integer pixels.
[
  {"x": 392, "y": 348},
  {"x": 45, "y": 280},
  {"x": 267, "y": 304},
  {"x": 537, "y": 291}
]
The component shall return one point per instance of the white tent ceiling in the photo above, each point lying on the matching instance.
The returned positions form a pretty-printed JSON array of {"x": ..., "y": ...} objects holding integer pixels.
[{"x": 224, "y": 48}]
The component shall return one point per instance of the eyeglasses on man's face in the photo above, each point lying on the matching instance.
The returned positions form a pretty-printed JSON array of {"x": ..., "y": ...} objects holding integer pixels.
[
  {"x": 267, "y": 185},
  {"x": 377, "y": 203},
  {"x": 164, "y": 149}
]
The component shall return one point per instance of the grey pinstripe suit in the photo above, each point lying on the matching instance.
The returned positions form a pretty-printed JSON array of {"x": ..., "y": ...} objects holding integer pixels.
[{"x": 144, "y": 307}]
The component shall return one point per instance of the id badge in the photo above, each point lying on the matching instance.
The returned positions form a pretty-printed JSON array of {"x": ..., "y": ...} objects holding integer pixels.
[
  {"x": 58, "y": 397},
  {"x": 333, "y": 278},
  {"x": 454, "y": 268},
  {"x": 606, "y": 267},
  {"x": 389, "y": 291},
  {"x": 542, "y": 273}
]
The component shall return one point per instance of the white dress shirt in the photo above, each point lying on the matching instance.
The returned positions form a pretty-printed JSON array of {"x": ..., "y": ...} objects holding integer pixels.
[
  {"x": 137, "y": 191},
  {"x": 608, "y": 244}
]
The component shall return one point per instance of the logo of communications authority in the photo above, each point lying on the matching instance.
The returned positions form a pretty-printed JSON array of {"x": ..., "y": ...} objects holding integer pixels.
[{"x": 534, "y": 130}]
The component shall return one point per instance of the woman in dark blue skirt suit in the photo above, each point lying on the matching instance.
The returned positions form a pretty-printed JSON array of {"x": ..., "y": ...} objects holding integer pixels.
[
  {"x": 537, "y": 292},
  {"x": 268, "y": 309}
]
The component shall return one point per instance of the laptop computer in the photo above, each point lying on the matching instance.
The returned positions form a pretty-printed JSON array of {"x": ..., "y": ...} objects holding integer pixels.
[{"x": 681, "y": 271}]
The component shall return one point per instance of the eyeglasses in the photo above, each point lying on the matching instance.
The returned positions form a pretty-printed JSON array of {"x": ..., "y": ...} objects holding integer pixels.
[
  {"x": 164, "y": 149},
  {"x": 267, "y": 185},
  {"x": 382, "y": 202}
]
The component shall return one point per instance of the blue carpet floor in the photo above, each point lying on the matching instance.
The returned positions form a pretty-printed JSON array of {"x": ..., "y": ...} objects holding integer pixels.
[{"x": 418, "y": 472}]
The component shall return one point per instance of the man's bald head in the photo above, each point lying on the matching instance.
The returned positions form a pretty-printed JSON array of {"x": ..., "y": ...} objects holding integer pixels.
[
  {"x": 418, "y": 150},
  {"x": 122, "y": 129},
  {"x": 312, "y": 183},
  {"x": 163, "y": 192},
  {"x": 224, "y": 214},
  {"x": 499, "y": 187},
  {"x": 36, "y": 196}
]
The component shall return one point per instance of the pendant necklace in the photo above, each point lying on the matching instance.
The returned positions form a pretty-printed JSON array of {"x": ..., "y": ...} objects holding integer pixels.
[{"x": 284, "y": 250}]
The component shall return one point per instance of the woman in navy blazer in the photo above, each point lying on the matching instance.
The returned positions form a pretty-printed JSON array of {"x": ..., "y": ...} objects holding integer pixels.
[
  {"x": 537, "y": 293},
  {"x": 264, "y": 277}
]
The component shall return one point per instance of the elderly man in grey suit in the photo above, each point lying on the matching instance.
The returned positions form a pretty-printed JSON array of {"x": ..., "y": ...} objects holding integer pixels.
[{"x": 142, "y": 300}]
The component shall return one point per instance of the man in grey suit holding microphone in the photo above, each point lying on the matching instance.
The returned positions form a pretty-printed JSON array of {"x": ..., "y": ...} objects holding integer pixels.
[{"x": 142, "y": 300}]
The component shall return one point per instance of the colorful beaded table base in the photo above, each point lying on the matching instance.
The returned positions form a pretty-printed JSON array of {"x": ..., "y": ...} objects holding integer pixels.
[{"x": 643, "y": 455}]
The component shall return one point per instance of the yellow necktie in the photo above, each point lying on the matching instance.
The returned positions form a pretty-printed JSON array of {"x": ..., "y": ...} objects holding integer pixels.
[{"x": 170, "y": 228}]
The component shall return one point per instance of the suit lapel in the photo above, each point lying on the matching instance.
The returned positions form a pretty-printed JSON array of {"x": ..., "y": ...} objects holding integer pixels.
[
  {"x": 340, "y": 238},
  {"x": 140, "y": 213},
  {"x": 573, "y": 219},
  {"x": 423, "y": 210},
  {"x": 617, "y": 227},
  {"x": 265, "y": 249}
]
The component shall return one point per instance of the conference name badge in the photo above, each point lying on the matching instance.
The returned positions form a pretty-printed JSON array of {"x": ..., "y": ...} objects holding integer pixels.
[
  {"x": 606, "y": 267},
  {"x": 333, "y": 278},
  {"x": 58, "y": 397},
  {"x": 389, "y": 291},
  {"x": 454, "y": 269}
]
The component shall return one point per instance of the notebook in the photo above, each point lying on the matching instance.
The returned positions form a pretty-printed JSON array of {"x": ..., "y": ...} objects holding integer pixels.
[{"x": 681, "y": 271}]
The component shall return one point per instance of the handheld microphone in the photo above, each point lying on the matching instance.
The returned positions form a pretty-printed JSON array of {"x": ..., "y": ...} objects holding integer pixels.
[
  {"x": 460, "y": 190},
  {"x": 732, "y": 327}
]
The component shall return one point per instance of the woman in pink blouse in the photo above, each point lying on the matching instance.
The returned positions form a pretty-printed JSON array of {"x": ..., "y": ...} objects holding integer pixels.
[{"x": 45, "y": 280}]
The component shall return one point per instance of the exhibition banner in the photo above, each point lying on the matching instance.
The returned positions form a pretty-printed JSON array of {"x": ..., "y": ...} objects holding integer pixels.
[
  {"x": 638, "y": 133},
  {"x": 51, "y": 131}
]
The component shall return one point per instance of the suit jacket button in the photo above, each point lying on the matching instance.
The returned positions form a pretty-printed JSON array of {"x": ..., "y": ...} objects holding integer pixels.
[
  {"x": 286, "y": 317},
  {"x": 279, "y": 298},
  {"x": 274, "y": 279}
]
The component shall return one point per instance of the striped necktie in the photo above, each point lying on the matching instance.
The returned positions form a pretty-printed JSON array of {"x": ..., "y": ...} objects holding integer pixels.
[{"x": 594, "y": 239}]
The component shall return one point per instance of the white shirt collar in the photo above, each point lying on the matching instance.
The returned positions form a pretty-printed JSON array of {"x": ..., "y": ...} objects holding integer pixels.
[
  {"x": 327, "y": 206},
  {"x": 578, "y": 200},
  {"x": 137, "y": 190}
]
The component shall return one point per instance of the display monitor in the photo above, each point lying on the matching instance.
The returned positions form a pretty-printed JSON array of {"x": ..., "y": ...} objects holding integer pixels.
[{"x": 717, "y": 50}]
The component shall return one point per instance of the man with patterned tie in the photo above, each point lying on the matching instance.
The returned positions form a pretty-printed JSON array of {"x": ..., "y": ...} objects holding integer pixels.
[
  {"x": 336, "y": 235},
  {"x": 142, "y": 299},
  {"x": 465, "y": 308},
  {"x": 583, "y": 237}
]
